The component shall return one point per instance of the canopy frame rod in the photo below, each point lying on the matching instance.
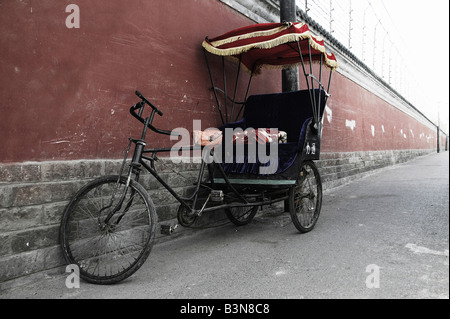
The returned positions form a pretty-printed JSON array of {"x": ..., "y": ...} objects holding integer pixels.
[
  {"x": 307, "y": 82},
  {"x": 224, "y": 116},
  {"x": 316, "y": 118},
  {"x": 225, "y": 87},
  {"x": 246, "y": 93},
  {"x": 213, "y": 86},
  {"x": 235, "y": 86},
  {"x": 316, "y": 107}
]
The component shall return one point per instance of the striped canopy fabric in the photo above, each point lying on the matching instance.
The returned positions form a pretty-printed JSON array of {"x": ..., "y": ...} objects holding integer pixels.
[{"x": 271, "y": 45}]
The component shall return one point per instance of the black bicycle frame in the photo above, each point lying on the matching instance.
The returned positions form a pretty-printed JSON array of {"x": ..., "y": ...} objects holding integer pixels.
[{"x": 139, "y": 161}]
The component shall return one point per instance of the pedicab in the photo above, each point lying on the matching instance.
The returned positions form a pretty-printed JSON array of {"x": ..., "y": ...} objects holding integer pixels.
[{"x": 263, "y": 153}]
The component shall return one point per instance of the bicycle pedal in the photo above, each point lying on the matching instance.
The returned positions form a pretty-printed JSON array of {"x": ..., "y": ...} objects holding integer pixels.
[
  {"x": 168, "y": 229},
  {"x": 217, "y": 196}
]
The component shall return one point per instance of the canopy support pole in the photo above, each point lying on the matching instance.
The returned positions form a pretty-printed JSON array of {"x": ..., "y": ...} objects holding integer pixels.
[
  {"x": 246, "y": 93},
  {"x": 213, "y": 86},
  {"x": 235, "y": 87},
  {"x": 327, "y": 94},
  {"x": 329, "y": 84},
  {"x": 225, "y": 88},
  {"x": 316, "y": 115},
  {"x": 320, "y": 96},
  {"x": 306, "y": 78}
]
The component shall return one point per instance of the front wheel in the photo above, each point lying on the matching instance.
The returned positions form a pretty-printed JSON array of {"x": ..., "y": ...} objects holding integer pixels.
[
  {"x": 305, "y": 199},
  {"x": 108, "y": 251}
]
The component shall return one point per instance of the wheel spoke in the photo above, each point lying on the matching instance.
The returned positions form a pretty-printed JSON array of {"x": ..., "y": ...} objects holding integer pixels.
[
  {"x": 109, "y": 252},
  {"x": 306, "y": 198}
]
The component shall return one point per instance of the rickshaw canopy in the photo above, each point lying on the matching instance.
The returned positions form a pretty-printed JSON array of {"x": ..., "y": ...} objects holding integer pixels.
[{"x": 271, "y": 45}]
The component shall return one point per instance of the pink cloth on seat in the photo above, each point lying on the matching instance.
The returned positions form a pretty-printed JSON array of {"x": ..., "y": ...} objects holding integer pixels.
[{"x": 212, "y": 137}]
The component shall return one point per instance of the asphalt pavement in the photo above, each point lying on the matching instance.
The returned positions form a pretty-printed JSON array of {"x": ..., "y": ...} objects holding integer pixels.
[{"x": 384, "y": 236}]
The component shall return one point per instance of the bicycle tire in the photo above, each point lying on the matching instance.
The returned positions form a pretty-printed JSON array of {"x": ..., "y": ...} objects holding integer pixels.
[
  {"x": 305, "y": 199},
  {"x": 241, "y": 216},
  {"x": 108, "y": 253}
]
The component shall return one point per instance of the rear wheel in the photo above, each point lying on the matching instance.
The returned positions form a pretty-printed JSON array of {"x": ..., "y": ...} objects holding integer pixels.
[
  {"x": 241, "y": 216},
  {"x": 305, "y": 199},
  {"x": 108, "y": 252}
]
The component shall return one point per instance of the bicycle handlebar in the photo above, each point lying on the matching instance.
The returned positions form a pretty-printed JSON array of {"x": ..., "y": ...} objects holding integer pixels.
[
  {"x": 148, "y": 102},
  {"x": 139, "y": 117}
]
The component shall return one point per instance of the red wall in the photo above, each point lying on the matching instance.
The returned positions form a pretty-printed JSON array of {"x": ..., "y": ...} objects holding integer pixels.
[
  {"x": 392, "y": 128},
  {"x": 65, "y": 93}
]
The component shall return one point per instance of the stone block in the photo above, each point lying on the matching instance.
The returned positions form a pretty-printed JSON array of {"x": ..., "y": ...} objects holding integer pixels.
[
  {"x": 20, "y": 173},
  {"x": 17, "y": 218}
]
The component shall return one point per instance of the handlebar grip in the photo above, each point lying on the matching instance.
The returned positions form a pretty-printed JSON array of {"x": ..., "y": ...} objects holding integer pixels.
[{"x": 139, "y": 94}]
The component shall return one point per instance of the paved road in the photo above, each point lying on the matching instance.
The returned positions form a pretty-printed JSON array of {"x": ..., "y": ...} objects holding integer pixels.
[{"x": 383, "y": 236}]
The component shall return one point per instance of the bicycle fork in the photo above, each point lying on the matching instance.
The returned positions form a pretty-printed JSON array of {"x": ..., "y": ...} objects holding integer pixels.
[{"x": 134, "y": 169}]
